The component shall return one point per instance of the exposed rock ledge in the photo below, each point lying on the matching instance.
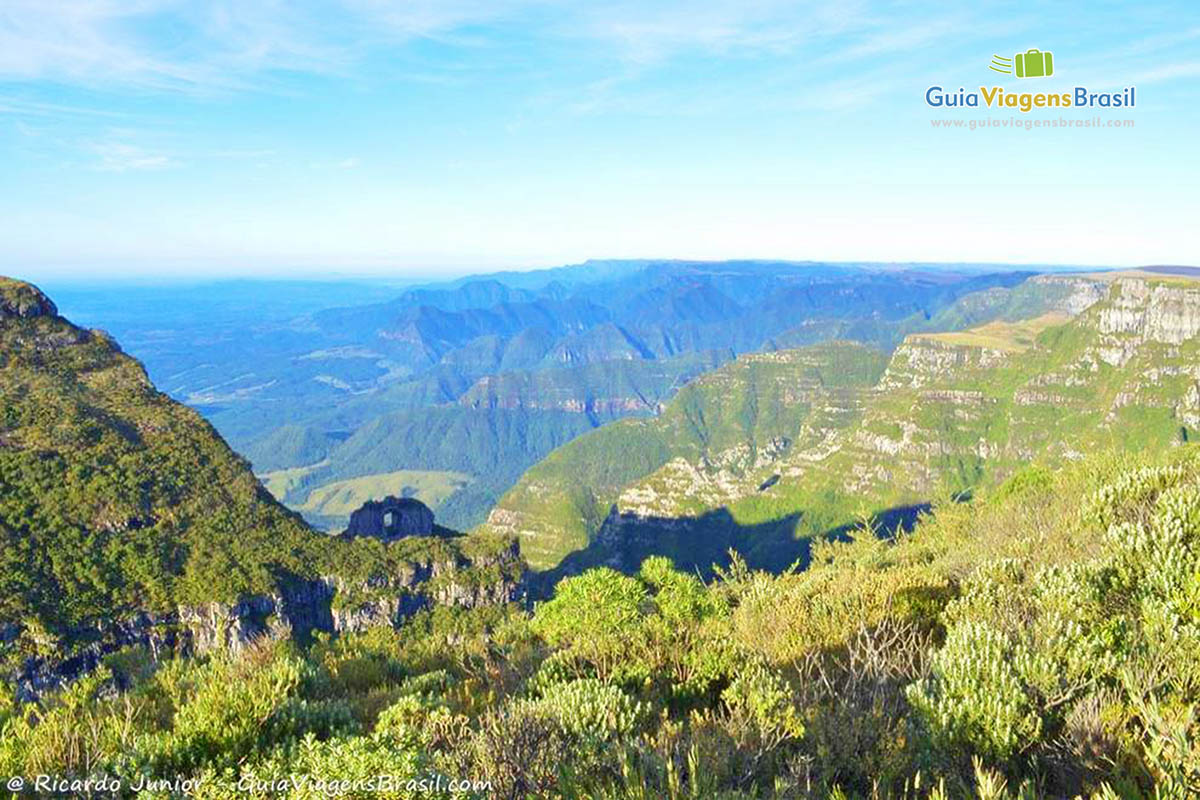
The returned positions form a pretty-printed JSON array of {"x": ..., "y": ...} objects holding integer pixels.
[{"x": 299, "y": 608}]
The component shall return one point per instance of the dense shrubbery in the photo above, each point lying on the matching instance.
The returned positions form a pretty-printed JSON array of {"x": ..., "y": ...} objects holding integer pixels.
[{"x": 1044, "y": 642}]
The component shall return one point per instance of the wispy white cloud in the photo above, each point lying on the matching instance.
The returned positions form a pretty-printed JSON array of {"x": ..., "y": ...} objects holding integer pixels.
[
  {"x": 240, "y": 154},
  {"x": 647, "y": 33},
  {"x": 349, "y": 162},
  {"x": 1167, "y": 72},
  {"x": 240, "y": 44},
  {"x": 1157, "y": 43},
  {"x": 18, "y": 106},
  {"x": 172, "y": 44},
  {"x": 406, "y": 19},
  {"x": 903, "y": 38},
  {"x": 162, "y": 44},
  {"x": 123, "y": 157}
]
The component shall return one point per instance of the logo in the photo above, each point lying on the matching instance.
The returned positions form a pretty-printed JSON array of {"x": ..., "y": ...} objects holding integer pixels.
[{"x": 1033, "y": 63}]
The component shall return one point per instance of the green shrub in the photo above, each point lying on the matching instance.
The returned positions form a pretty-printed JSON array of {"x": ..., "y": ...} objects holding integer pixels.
[
  {"x": 576, "y": 729},
  {"x": 596, "y": 615},
  {"x": 357, "y": 768},
  {"x": 237, "y": 706},
  {"x": 70, "y": 734},
  {"x": 976, "y": 700},
  {"x": 761, "y": 704},
  {"x": 1029, "y": 650}
]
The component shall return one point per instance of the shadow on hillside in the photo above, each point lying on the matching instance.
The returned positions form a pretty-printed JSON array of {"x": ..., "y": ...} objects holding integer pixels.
[
  {"x": 696, "y": 544},
  {"x": 888, "y": 522}
]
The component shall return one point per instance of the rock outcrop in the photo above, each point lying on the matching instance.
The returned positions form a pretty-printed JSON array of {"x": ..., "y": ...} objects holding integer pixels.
[
  {"x": 1072, "y": 294},
  {"x": 19, "y": 299},
  {"x": 1165, "y": 313},
  {"x": 922, "y": 361},
  {"x": 391, "y": 518}
]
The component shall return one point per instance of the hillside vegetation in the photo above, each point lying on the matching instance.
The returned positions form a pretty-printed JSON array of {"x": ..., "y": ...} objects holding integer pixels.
[
  {"x": 116, "y": 501},
  {"x": 1039, "y": 641}
]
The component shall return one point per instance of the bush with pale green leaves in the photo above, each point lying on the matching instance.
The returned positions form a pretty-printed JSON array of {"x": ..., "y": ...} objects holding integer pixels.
[{"x": 1120, "y": 629}]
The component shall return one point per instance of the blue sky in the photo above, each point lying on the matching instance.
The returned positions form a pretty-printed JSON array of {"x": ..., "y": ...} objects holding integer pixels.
[{"x": 435, "y": 137}]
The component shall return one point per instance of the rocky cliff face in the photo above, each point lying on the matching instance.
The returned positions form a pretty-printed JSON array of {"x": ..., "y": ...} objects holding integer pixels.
[
  {"x": 482, "y": 395},
  {"x": 602, "y": 391},
  {"x": 1070, "y": 294},
  {"x": 950, "y": 414},
  {"x": 299, "y": 608},
  {"x": 921, "y": 361},
  {"x": 1140, "y": 312}
]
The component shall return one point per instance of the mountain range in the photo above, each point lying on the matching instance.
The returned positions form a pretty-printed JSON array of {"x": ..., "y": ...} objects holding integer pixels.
[
  {"x": 773, "y": 449},
  {"x": 332, "y": 400}
]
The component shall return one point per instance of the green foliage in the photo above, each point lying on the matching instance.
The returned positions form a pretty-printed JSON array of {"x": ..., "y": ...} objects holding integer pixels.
[
  {"x": 70, "y": 733},
  {"x": 662, "y": 632},
  {"x": 358, "y": 768},
  {"x": 1027, "y": 650},
  {"x": 573, "y": 729},
  {"x": 594, "y": 615},
  {"x": 762, "y": 703},
  {"x": 234, "y": 708},
  {"x": 977, "y": 698},
  {"x": 590, "y": 709}
]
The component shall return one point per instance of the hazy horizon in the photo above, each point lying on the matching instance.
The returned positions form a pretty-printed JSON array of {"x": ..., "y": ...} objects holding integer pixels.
[{"x": 85, "y": 279}]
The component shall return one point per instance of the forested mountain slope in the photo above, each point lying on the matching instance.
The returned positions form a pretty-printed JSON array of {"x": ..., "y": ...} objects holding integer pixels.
[
  {"x": 950, "y": 413},
  {"x": 124, "y": 515}
]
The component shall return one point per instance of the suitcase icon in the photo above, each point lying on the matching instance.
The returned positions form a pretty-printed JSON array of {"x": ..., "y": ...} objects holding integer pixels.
[{"x": 1033, "y": 63}]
